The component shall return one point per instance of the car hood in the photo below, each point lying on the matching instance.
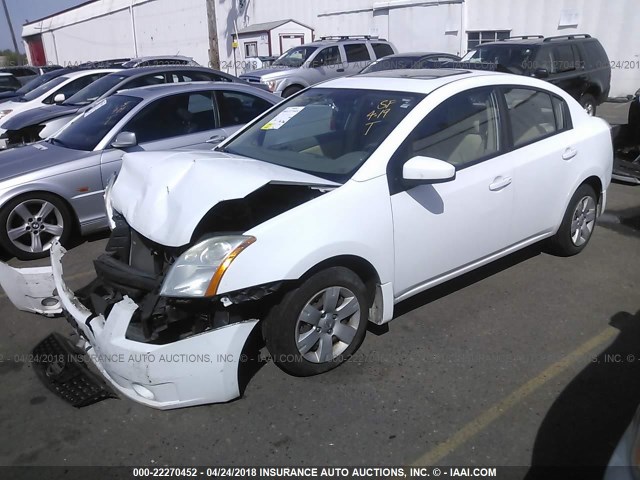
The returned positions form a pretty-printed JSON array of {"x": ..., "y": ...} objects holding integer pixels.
[
  {"x": 38, "y": 115},
  {"x": 164, "y": 195},
  {"x": 263, "y": 72},
  {"x": 22, "y": 160}
]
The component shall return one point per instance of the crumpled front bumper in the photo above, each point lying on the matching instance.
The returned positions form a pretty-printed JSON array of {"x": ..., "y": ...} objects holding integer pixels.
[{"x": 197, "y": 370}]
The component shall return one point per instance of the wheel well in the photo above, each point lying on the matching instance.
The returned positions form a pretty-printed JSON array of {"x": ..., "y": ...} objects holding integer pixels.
[
  {"x": 594, "y": 91},
  {"x": 358, "y": 265},
  {"x": 74, "y": 214},
  {"x": 595, "y": 183},
  {"x": 297, "y": 87}
]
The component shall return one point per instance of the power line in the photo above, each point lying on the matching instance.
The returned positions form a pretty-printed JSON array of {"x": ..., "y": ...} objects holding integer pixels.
[{"x": 13, "y": 35}]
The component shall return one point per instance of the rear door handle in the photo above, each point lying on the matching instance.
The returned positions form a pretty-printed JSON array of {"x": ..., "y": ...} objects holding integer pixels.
[
  {"x": 499, "y": 183},
  {"x": 569, "y": 153}
]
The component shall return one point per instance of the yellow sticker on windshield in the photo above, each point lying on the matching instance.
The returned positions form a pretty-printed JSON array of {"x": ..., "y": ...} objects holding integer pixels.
[{"x": 282, "y": 118}]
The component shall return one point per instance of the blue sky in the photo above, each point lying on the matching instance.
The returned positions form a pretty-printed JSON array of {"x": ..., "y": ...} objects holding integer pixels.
[{"x": 22, "y": 11}]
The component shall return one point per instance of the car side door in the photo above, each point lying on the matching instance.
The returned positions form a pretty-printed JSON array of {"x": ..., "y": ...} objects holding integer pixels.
[
  {"x": 327, "y": 63},
  {"x": 443, "y": 228},
  {"x": 565, "y": 67},
  {"x": 543, "y": 152},
  {"x": 170, "y": 122}
]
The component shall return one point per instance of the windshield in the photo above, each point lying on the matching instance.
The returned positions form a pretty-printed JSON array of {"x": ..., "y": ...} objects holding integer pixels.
[
  {"x": 294, "y": 57},
  {"x": 35, "y": 83},
  {"x": 95, "y": 90},
  {"x": 392, "y": 63},
  {"x": 326, "y": 132},
  {"x": 514, "y": 58},
  {"x": 8, "y": 82},
  {"x": 42, "y": 89},
  {"x": 87, "y": 130}
]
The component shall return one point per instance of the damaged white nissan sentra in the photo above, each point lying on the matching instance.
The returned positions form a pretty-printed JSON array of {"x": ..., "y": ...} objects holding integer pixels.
[{"x": 317, "y": 218}]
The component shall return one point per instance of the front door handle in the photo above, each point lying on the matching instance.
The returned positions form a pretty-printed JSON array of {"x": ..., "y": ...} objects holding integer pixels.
[
  {"x": 569, "y": 153},
  {"x": 340, "y": 70},
  {"x": 499, "y": 183}
]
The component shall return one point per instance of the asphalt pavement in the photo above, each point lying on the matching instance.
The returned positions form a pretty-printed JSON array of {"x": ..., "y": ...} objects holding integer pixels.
[{"x": 514, "y": 364}]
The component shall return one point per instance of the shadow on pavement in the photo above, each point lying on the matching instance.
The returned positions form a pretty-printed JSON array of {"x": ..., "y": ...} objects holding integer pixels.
[{"x": 585, "y": 423}]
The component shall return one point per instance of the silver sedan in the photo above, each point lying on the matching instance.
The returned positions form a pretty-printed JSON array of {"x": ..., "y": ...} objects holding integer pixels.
[{"x": 52, "y": 188}]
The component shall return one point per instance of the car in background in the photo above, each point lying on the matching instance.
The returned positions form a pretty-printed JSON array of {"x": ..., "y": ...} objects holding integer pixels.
[
  {"x": 414, "y": 60},
  {"x": 54, "y": 91},
  {"x": 37, "y": 123},
  {"x": 26, "y": 73},
  {"x": 314, "y": 62},
  {"x": 577, "y": 63},
  {"x": 49, "y": 188},
  {"x": 160, "y": 60},
  {"x": 8, "y": 83},
  {"x": 33, "y": 84}
]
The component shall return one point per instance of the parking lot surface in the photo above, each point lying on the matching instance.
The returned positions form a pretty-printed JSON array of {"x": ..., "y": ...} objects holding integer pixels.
[{"x": 532, "y": 360}]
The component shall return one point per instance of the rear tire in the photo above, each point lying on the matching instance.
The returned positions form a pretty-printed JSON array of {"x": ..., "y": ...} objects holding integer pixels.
[
  {"x": 318, "y": 325},
  {"x": 577, "y": 225},
  {"x": 30, "y": 223}
]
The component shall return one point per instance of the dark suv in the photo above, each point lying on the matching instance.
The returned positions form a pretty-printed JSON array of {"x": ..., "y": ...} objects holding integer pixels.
[{"x": 575, "y": 63}]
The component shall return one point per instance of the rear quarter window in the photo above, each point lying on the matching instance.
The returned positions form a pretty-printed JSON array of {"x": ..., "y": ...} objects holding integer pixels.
[
  {"x": 382, "y": 49},
  {"x": 357, "y": 52}
]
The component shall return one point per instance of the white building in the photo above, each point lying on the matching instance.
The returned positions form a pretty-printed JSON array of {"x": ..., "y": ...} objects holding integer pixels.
[{"x": 119, "y": 28}]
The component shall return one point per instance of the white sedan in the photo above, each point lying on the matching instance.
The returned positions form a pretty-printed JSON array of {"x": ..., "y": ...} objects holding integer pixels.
[
  {"x": 54, "y": 91},
  {"x": 318, "y": 218}
]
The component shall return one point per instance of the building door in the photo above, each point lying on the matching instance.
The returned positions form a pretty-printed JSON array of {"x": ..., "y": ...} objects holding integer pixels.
[
  {"x": 36, "y": 50},
  {"x": 288, "y": 41}
]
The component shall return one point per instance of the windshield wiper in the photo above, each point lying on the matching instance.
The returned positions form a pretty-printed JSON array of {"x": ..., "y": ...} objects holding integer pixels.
[{"x": 55, "y": 141}]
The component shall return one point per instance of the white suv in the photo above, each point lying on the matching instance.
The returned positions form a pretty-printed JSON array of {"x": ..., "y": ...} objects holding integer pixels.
[
  {"x": 315, "y": 62},
  {"x": 319, "y": 217}
]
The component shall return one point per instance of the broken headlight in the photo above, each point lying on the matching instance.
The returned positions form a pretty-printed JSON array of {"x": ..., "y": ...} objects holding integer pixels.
[{"x": 198, "y": 271}]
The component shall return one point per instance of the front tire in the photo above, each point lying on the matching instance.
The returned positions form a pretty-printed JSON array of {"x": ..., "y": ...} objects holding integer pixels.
[
  {"x": 30, "y": 223},
  {"x": 291, "y": 90},
  {"x": 318, "y": 325},
  {"x": 578, "y": 223}
]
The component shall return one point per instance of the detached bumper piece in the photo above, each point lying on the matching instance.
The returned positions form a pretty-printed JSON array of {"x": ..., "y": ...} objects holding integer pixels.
[{"x": 61, "y": 367}]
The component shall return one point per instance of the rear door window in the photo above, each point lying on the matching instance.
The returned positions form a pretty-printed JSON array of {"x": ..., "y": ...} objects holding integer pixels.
[
  {"x": 563, "y": 59},
  {"x": 531, "y": 115}
]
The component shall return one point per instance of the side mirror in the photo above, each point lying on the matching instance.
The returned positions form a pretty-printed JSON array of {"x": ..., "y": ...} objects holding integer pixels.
[
  {"x": 541, "y": 73},
  {"x": 59, "y": 98},
  {"x": 125, "y": 140},
  {"x": 428, "y": 170}
]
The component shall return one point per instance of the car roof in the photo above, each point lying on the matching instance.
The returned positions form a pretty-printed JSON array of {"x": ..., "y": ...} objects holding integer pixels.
[
  {"x": 539, "y": 40},
  {"x": 406, "y": 80},
  {"x": 140, "y": 71},
  {"x": 6, "y": 74},
  {"x": 153, "y": 91},
  {"x": 83, "y": 73},
  {"x": 415, "y": 55},
  {"x": 336, "y": 41}
]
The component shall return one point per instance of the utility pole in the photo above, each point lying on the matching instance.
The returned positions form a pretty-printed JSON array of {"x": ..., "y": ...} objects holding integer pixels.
[
  {"x": 13, "y": 35},
  {"x": 214, "y": 53}
]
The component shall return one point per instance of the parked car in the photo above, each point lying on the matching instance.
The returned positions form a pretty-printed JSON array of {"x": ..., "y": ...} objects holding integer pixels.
[
  {"x": 160, "y": 60},
  {"x": 415, "y": 60},
  {"x": 276, "y": 226},
  {"x": 54, "y": 91},
  {"x": 26, "y": 73},
  {"x": 315, "y": 62},
  {"x": 33, "y": 84},
  {"x": 37, "y": 123},
  {"x": 59, "y": 183},
  {"x": 8, "y": 83},
  {"x": 576, "y": 63}
]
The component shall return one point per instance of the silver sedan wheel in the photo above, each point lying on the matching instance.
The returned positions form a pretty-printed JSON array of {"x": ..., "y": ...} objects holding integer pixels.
[
  {"x": 327, "y": 324},
  {"x": 33, "y": 225},
  {"x": 583, "y": 221}
]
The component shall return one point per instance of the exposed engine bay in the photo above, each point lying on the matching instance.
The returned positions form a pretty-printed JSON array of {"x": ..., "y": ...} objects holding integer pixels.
[{"x": 135, "y": 266}]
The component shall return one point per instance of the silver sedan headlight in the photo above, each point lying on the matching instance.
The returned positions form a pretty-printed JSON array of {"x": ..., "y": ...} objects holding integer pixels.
[
  {"x": 199, "y": 270},
  {"x": 4, "y": 113}
]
